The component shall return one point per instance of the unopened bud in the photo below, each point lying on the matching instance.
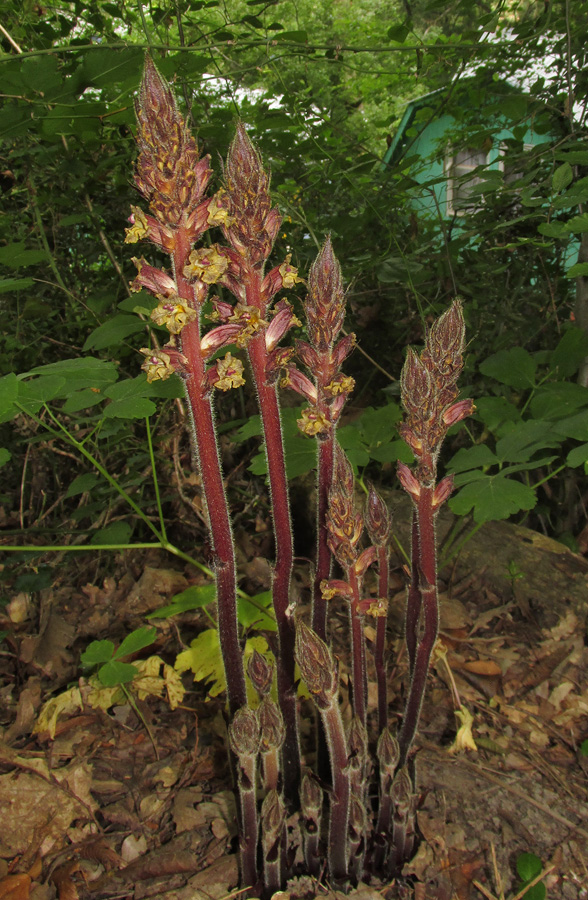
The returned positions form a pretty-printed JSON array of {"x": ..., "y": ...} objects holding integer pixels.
[
  {"x": 377, "y": 518},
  {"x": 357, "y": 742},
  {"x": 271, "y": 725},
  {"x": 260, "y": 671},
  {"x": 388, "y": 751},
  {"x": 273, "y": 814},
  {"x": 311, "y": 796},
  {"x": 316, "y": 665},
  {"x": 244, "y": 733}
]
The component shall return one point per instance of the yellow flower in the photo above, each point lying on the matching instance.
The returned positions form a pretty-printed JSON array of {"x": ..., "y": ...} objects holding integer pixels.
[
  {"x": 340, "y": 385},
  {"x": 157, "y": 365},
  {"x": 289, "y": 273},
  {"x": 250, "y": 318},
  {"x": 139, "y": 229},
  {"x": 230, "y": 373},
  {"x": 206, "y": 264},
  {"x": 217, "y": 214},
  {"x": 172, "y": 313},
  {"x": 313, "y": 422}
]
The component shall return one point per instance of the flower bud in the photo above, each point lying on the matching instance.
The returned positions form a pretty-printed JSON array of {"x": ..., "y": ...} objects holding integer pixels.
[
  {"x": 260, "y": 671},
  {"x": 316, "y": 665},
  {"x": 271, "y": 725},
  {"x": 377, "y": 518},
  {"x": 311, "y": 796},
  {"x": 388, "y": 752},
  {"x": 244, "y": 733}
]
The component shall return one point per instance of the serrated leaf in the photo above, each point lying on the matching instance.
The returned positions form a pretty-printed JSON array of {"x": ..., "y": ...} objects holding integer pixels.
[
  {"x": 114, "y": 673},
  {"x": 562, "y": 176},
  {"x": 81, "y": 484},
  {"x": 9, "y": 389},
  {"x": 203, "y": 658},
  {"x": 83, "y": 372},
  {"x": 553, "y": 229},
  {"x": 15, "y": 284},
  {"x": 194, "y": 597},
  {"x": 525, "y": 439},
  {"x": 492, "y": 497},
  {"x": 496, "y": 411},
  {"x": 514, "y": 367},
  {"x": 577, "y": 224},
  {"x": 5, "y": 456},
  {"x": 136, "y": 640},
  {"x": 97, "y": 652},
  {"x": 85, "y": 399}
]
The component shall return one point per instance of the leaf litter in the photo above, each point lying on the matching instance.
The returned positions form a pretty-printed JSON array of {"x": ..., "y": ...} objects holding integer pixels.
[{"x": 91, "y": 812}]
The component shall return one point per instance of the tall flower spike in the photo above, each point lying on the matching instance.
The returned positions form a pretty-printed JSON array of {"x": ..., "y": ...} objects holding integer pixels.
[
  {"x": 325, "y": 304},
  {"x": 169, "y": 173},
  {"x": 255, "y": 224}
]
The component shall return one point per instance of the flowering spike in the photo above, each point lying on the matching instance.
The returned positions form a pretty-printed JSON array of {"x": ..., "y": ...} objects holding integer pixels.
[
  {"x": 325, "y": 304},
  {"x": 247, "y": 183}
]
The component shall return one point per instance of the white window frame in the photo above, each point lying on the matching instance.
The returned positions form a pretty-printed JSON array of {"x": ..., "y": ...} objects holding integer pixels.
[{"x": 463, "y": 167}]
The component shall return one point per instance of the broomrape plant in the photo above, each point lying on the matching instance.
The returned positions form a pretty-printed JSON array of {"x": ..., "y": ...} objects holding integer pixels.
[{"x": 264, "y": 747}]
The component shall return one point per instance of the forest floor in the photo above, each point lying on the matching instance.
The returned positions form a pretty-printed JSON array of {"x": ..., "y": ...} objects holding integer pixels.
[{"x": 136, "y": 802}]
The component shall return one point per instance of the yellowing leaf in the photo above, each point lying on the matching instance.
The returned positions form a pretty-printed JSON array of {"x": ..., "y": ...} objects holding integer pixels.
[
  {"x": 205, "y": 660},
  {"x": 64, "y": 704},
  {"x": 174, "y": 687},
  {"x": 101, "y": 697}
]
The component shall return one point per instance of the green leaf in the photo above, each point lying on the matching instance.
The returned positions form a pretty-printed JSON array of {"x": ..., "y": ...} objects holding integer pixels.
[
  {"x": 15, "y": 284},
  {"x": 472, "y": 458},
  {"x": 398, "y": 33},
  {"x": 81, "y": 484},
  {"x": 9, "y": 389},
  {"x": 570, "y": 351},
  {"x": 252, "y": 612},
  {"x": 528, "y": 866},
  {"x": 97, "y": 652},
  {"x": 5, "y": 456},
  {"x": 83, "y": 400},
  {"x": 496, "y": 411},
  {"x": 116, "y": 533},
  {"x": 16, "y": 256},
  {"x": 194, "y": 597},
  {"x": 113, "y": 332},
  {"x": 297, "y": 37},
  {"x": 584, "y": 747},
  {"x": 578, "y": 456},
  {"x": 578, "y": 270},
  {"x": 562, "y": 176},
  {"x": 83, "y": 372},
  {"x": 577, "y": 224},
  {"x": 115, "y": 672},
  {"x": 136, "y": 640},
  {"x": 33, "y": 394},
  {"x": 514, "y": 367},
  {"x": 492, "y": 497},
  {"x": 553, "y": 229},
  {"x": 135, "y": 408},
  {"x": 558, "y": 400},
  {"x": 525, "y": 439}
]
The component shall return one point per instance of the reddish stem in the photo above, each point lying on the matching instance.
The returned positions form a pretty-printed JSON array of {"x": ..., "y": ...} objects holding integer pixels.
[
  {"x": 380, "y": 649},
  {"x": 427, "y": 589},
  {"x": 214, "y": 491},
  {"x": 414, "y": 599},
  {"x": 360, "y": 687},
  {"x": 326, "y": 456},
  {"x": 282, "y": 573}
]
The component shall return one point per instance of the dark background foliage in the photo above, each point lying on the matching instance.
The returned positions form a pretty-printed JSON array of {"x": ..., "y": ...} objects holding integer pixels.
[{"x": 322, "y": 87}]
